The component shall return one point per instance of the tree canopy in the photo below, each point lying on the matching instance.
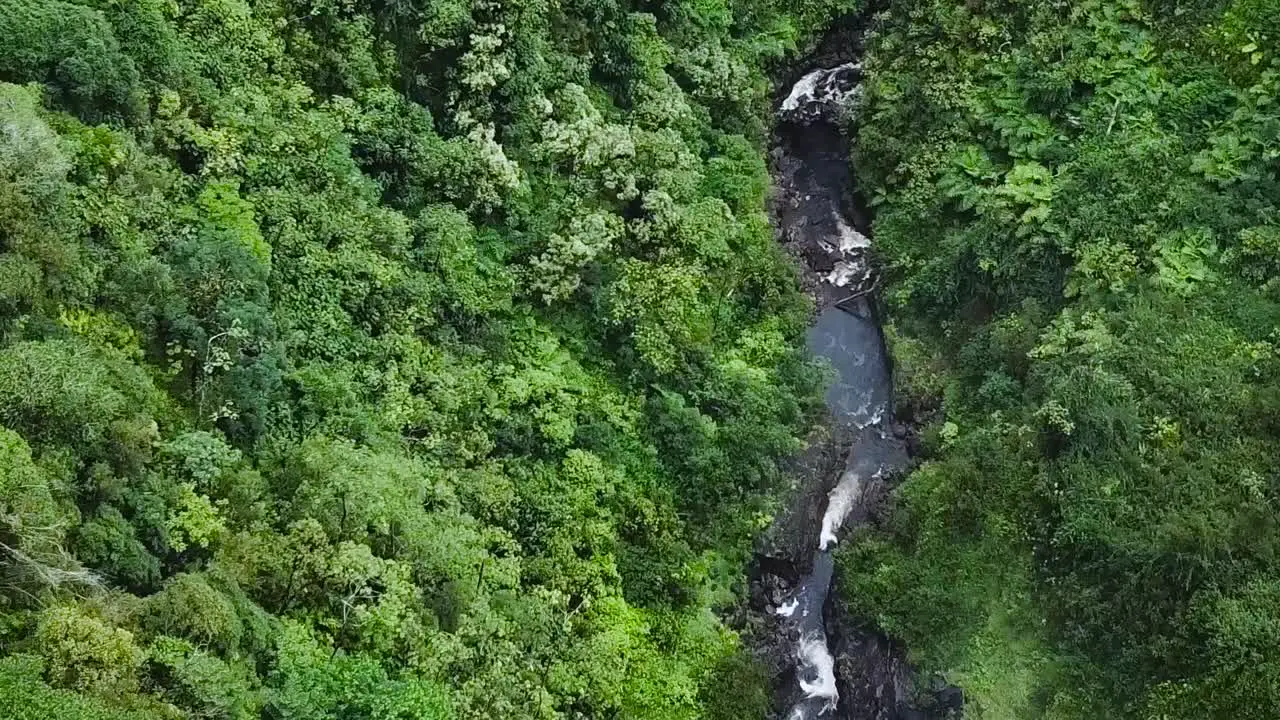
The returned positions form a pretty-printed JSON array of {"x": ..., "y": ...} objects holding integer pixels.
[
  {"x": 1077, "y": 207},
  {"x": 434, "y": 360},
  {"x": 413, "y": 360}
]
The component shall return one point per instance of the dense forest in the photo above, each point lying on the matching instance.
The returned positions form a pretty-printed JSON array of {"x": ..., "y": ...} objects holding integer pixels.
[
  {"x": 389, "y": 359},
  {"x": 1078, "y": 212},
  {"x": 434, "y": 359}
]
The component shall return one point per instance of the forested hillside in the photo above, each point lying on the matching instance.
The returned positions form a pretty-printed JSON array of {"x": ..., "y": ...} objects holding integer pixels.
[
  {"x": 427, "y": 360},
  {"x": 390, "y": 359},
  {"x": 1077, "y": 204}
]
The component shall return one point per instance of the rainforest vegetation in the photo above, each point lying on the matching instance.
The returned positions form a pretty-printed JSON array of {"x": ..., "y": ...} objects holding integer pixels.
[
  {"x": 434, "y": 359},
  {"x": 1078, "y": 212},
  {"x": 389, "y": 359}
]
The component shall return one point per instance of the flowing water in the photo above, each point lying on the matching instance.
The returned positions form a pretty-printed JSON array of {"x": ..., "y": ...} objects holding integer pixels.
[
  {"x": 817, "y": 221},
  {"x": 851, "y": 342}
]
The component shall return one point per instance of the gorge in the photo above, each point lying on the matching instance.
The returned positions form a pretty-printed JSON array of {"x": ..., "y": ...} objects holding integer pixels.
[{"x": 843, "y": 475}]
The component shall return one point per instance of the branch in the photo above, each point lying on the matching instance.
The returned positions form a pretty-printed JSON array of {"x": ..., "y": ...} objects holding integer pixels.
[{"x": 52, "y": 576}]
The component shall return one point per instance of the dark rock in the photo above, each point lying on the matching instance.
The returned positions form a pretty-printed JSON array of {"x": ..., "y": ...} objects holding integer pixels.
[
  {"x": 781, "y": 567},
  {"x": 759, "y": 597},
  {"x": 951, "y": 698}
]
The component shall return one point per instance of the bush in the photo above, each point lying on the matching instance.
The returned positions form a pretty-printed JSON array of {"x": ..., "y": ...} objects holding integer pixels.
[
  {"x": 109, "y": 544},
  {"x": 189, "y": 607},
  {"x": 82, "y": 652},
  {"x": 25, "y": 696},
  {"x": 74, "y": 51}
]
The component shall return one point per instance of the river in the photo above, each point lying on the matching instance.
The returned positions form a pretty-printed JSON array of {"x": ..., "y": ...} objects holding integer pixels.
[{"x": 817, "y": 220}]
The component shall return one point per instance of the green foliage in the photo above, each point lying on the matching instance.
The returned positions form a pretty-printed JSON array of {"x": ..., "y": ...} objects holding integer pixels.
[
  {"x": 209, "y": 686},
  {"x": 61, "y": 391},
  {"x": 388, "y": 360},
  {"x": 82, "y": 652},
  {"x": 738, "y": 688},
  {"x": 1075, "y": 210},
  {"x": 73, "y": 50},
  {"x": 109, "y": 544},
  {"x": 26, "y": 696},
  {"x": 189, "y": 607},
  {"x": 33, "y": 215},
  {"x": 31, "y": 521},
  {"x": 314, "y": 683}
]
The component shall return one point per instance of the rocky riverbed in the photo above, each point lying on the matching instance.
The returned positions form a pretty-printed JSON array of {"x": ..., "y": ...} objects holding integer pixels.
[{"x": 825, "y": 664}]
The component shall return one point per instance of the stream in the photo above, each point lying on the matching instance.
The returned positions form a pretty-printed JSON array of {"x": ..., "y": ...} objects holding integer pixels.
[{"x": 843, "y": 475}]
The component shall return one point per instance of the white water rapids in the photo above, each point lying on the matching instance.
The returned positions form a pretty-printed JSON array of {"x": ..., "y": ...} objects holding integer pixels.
[
  {"x": 817, "y": 663},
  {"x": 788, "y": 608},
  {"x": 825, "y": 86},
  {"x": 839, "y": 503}
]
